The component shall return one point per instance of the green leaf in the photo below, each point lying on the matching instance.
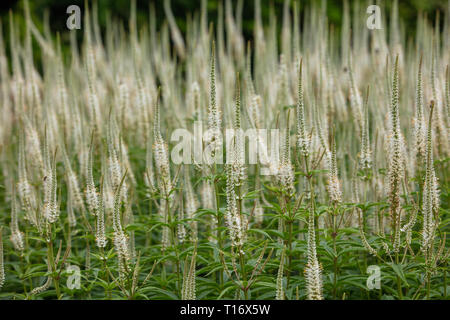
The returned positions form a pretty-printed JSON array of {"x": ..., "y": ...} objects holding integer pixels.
[{"x": 398, "y": 268}]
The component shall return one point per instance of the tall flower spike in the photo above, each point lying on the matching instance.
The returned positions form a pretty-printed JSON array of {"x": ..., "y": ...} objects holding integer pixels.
[
  {"x": 430, "y": 191},
  {"x": 191, "y": 203},
  {"x": 254, "y": 105},
  {"x": 114, "y": 167},
  {"x": 161, "y": 154},
  {"x": 313, "y": 270},
  {"x": 419, "y": 120},
  {"x": 396, "y": 160},
  {"x": 91, "y": 193},
  {"x": 33, "y": 145},
  {"x": 149, "y": 175},
  {"x": 334, "y": 186},
  {"x": 237, "y": 113},
  {"x": 447, "y": 93},
  {"x": 303, "y": 140},
  {"x": 165, "y": 234},
  {"x": 74, "y": 188},
  {"x": 93, "y": 100},
  {"x": 100, "y": 236},
  {"x": 16, "y": 235},
  {"x": 254, "y": 110},
  {"x": 296, "y": 34},
  {"x": 280, "y": 290},
  {"x": 181, "y": 230},
  {"x": 365, "y": 157},
  {"x": 248, "y": 72},
  {"x": 55, "y": 205},
  {"x": 355, "y": 96},
  {"x": 24, "y": 188},
  {"x": 50, "y": 208},
  {"x": 214, "y": 118},
  {"x": 232, "y": 216},
  {"x": 436, "y": 94},
  {"x": 62, "y": 90},
  {"x": 321, "y": 132},
  {"x": 126, "y": 161},
  {"x": 142, "y": 102},
  {"x": 2, "y": 266},
  {"x": 120, "y": 239},
  {"x": 285, "y": 174},
  {"x": 287, "y": 141},
  {"x": 188, "y": 291},
  {"x": 237, "y": 144},
  {"x": 212, "y": 97}
]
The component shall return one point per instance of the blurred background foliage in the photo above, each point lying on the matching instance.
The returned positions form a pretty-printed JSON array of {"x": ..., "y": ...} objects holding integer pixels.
[{"x": 55, "y": 12}]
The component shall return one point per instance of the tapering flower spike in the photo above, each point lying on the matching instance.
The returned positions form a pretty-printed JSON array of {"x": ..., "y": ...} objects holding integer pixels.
[
  {"x": 430, "y": 206},
  {"x": 2, "y": 265},
  {"x": 313, "y": 270},
  {"x": 303, "y": 140},
  {"x": 419, "y": 119},
  {"x": 161, "y": 154},
  {"x": 213, "y": 136},
  {"x": 365, "y": 157},
  {"x": 93, "y": 203},
  {"x": 396, "y": 159},
  {"x": 100, "y": 236}
]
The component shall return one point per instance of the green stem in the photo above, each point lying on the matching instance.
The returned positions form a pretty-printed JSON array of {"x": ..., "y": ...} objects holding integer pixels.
[
  {"x": 288, "y": 271},
  {"x": 445, "y": 280},
  {"x": 22, "y": 267},
  {"x": 399, "y": 282},
  {"x": 51, "y": 260},
  {"x": 244, "y": 274},
  {"x": 173, "y": 240},
  {"x": 335, "y": 266},
  {"x": 103, "y": 257},
  {"x": 219, "y": 222}
]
